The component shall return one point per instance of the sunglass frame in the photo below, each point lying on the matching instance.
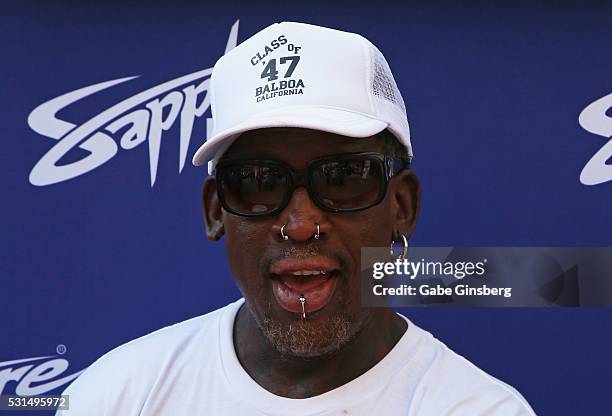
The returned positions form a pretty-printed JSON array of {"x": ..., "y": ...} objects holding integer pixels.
[{"x": 391, "y": 166}]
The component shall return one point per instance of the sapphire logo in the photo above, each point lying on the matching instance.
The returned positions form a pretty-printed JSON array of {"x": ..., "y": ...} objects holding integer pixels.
[
  {"x": 140, "y": 118},
  {"x": 594, "y": 119},
  {"x": 34, "y": 376}
]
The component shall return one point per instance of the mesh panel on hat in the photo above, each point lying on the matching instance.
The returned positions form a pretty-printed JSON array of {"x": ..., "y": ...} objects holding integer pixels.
[{"x": 383, "y": 84}]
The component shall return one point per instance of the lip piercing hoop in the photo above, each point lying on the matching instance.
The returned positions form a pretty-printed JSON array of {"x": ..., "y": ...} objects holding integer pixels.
[
  {"x": 284, "y": 237},
  {"x": 303, "y": 301},
  {"x": 318, "y": 234}
]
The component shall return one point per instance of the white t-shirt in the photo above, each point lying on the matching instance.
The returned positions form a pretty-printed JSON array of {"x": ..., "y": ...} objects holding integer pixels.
[{"x": 191, "y": 369}]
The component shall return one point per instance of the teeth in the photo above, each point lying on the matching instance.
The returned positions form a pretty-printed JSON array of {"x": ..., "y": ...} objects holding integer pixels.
[{"x": 308, "y": 272}]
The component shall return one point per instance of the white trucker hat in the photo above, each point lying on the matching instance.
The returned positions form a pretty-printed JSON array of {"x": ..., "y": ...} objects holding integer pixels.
[{"x": 300, "y": 75}]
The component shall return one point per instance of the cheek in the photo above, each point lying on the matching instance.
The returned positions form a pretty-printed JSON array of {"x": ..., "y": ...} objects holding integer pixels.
[
  {"x": 245, "y": 241},
  {"x": 370, "y": 228}
]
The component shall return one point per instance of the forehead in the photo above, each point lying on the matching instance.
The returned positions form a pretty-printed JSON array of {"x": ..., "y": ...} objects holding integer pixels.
[{"x": 298, "y": 146}]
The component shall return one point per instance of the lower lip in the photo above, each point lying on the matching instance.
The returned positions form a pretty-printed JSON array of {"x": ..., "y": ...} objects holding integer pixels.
[{"x": 317, "y": 296}]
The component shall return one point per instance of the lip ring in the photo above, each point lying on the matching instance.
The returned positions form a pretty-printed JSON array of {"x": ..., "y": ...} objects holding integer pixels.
[{"x": 288, "y": 297}]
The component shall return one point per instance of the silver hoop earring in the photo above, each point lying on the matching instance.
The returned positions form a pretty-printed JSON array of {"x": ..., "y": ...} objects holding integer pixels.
[
  {"x": 404, "y": 252},
  {"x": 318, "y": 234},
  {"x": 282, "y": 233}
]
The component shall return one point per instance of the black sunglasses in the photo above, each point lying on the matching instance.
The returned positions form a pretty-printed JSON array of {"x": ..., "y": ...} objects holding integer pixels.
[{"x": 339, "y": 183}]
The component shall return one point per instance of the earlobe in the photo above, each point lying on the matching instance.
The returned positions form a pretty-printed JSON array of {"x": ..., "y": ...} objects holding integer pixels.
[
  {"x": 211, "y": 208},
  {"x": 406, "y": 202}
]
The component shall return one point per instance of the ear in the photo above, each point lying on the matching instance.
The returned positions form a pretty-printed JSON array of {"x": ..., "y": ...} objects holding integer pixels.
[
  {"x": 406, "y": 201},
  {"x": 211, "y": 207}
]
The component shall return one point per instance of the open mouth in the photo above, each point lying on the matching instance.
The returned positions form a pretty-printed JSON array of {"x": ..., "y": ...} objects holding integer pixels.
[{"x": 313, "y": 278}]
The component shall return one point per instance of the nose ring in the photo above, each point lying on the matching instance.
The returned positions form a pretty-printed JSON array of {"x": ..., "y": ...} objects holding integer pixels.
[
  {"x": 285, "y": 237},
  {"x": 282, "y": 233}
]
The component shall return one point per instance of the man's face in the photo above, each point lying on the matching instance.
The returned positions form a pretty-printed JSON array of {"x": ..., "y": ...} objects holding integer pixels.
[{"x": 272, "y": 273}]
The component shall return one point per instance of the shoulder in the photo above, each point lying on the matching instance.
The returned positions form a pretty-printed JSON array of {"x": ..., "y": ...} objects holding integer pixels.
[
  {"x": 146, "y": 353},
  {"x": 453, "y": 385},
  {"x": 121, "y": 379}
]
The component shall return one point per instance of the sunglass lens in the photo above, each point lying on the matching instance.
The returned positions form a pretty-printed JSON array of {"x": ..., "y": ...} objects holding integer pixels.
[
  {"x": 252, "y": 189},
  {"x": 349, "y": 184}
]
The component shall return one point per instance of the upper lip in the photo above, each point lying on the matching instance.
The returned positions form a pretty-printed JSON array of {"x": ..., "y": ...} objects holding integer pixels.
[{"x": 289, "y": 265}]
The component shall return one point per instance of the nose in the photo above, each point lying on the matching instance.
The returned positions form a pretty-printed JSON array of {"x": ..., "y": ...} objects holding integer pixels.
[{"x": 300, "y": 219}]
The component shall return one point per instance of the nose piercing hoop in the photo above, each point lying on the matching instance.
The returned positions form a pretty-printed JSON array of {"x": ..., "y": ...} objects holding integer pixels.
[
  {"x": 282, "y": 233},
  {"x": 285, "y": 237}
]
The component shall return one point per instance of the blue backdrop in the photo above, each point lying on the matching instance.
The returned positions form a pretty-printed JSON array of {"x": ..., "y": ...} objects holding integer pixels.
[{"x": 493, "y": 95}]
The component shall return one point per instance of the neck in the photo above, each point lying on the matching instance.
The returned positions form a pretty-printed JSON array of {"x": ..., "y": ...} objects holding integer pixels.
[{"x": 299, "y": 378}]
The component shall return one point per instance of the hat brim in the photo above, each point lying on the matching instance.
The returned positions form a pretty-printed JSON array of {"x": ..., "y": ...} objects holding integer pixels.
[{"x": 322, "y": 118}]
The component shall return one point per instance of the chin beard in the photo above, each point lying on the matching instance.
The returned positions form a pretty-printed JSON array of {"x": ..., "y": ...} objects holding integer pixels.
[
  {"x": 305, "y": 338},
  {"x": 308, "y": 339}
]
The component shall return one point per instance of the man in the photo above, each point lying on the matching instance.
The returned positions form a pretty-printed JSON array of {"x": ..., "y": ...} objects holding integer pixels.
[{"x": 310, "y": 154}]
